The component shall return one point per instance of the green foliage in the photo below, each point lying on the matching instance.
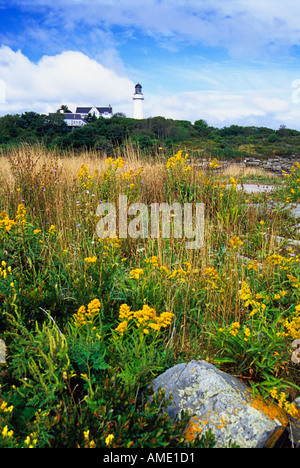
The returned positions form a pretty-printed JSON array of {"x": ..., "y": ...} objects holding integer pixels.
[
  {"x": 88, "y": 351},
  {"x": 40, "y": 359},
  {"x": 78, "y": 374},
  {"x": 130, "y": 419},
  {"x": 291, "y": 188},
  {"x": 148, "y": 134},
  {"x": 50, "y": 404}
]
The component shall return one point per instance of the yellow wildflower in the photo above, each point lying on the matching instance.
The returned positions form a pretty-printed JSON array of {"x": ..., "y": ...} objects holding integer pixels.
[
  {"x": 234, "y": 183},
  {"x": 21, "y": 214},
  {"x": 164, "y": 270},
  {"x": 109, "y": 439},
  {"x": 294, "y": 281},
  {"x": 124, "y": 312},
  {"x": 178, "y": 162},
  {"x": 90, "y": 259},
  {"x": 119, "y": 162},
  {"x": 52, "y": 229},
  {"x": 127, "y": 175},
  {"x": 214, "y": 164},
  {"x": 5, "y": 408},
  {"x": 144, "y": 318},
  {"x": 5, "y": 222},
  {"x": 235, "y": 241},
  {"x": 86, "y": 315},
  {"x": 253, "y": 264},
  {"x": 290, "y": 408},
  {"x": 135, "y": 274},
  {"x": 6, "y": 432},
  {"x": 84, "y": 172},
  {"x": 122, "y": 327}
]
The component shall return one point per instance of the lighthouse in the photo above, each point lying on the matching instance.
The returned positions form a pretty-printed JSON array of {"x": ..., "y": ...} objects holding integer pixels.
[{"x": 138, "y": 102}]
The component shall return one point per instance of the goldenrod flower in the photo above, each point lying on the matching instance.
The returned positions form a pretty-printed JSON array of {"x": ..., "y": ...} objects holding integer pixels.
[
  {"x": 109, "y": 439},
  {"x": 90, "y": 259},
  {"x": 52, "y": 229},
  {"x": 5, "y": 408},
  {"x": 6, "y": 432},
  {"x": 214, "y": 164},
  {"x": 234, "y": 328},
  {"x": 5, "y": 222},
  {"x": 84, "y": 315},
  {"x": 117, "y": 163},
  {"x": 21, "y": 214},
  {"x": 135, "y": 274},
  {"x": 122, "y": 327},
  {"x": 178, "y": 161},
  {"x": 235, "y": 241},
  {"x": 146, "y": 318}
]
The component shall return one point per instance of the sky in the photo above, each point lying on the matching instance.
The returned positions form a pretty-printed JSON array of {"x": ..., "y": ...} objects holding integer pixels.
[{"x": 228, "y": 62}]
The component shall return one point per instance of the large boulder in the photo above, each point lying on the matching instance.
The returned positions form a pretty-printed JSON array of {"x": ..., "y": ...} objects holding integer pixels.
[{"x": 221, "y": 403}]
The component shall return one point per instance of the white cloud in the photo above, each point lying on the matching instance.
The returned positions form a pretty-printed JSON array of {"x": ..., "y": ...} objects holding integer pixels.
[
  {"x": 224, "y": 109},
  {"x": 74, "y": 79},
  {"x": 70, "y": 78},
  {"x": 241, "y": 26}
]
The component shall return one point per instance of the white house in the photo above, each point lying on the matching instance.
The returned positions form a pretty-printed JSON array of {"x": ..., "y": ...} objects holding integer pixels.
[
  {"x": 78, "y": 119},
  {"x": 72, "y": 120},
  {"x": 96, "y": 111}
]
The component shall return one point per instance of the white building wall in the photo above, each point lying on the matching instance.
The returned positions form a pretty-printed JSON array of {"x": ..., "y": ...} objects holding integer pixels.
[{"x": 138, "y": 106}]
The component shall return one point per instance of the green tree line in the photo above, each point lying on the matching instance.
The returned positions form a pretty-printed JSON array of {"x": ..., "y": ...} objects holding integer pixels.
[{"x": 150, "y": 133}]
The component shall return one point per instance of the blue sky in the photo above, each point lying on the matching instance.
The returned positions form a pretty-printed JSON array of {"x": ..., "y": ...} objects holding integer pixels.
[{"x": 226, "y": 61}]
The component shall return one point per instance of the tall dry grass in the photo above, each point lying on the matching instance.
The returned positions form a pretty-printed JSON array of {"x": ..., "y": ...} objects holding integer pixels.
[
  {"x": 47, "y": 182},
  {"x": 248, "y": 173}
]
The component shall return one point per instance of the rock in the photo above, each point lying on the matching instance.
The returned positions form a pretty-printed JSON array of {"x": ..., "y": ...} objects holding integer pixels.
[
  {"x": 222, "y": 403},
  {"x": 294, "y": 426},
  {"x": 2, "y": 352}
]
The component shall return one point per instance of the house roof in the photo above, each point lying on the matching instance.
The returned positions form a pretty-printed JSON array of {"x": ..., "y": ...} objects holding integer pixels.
[
  {"x": 69, "y": 116},
  {"x": 86, "y": 110},
  {"x": 76, "y": 116}
]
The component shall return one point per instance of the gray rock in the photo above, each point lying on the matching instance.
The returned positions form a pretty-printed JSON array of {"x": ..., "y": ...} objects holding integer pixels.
[{"x": 219, "y": 402}]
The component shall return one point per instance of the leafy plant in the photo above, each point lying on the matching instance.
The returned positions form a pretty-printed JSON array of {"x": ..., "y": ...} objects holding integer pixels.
[{"x": 38, "y": 359}]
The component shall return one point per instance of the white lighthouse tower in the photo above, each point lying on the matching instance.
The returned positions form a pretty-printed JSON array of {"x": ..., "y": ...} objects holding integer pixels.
[{"x": 138, "y": 102}]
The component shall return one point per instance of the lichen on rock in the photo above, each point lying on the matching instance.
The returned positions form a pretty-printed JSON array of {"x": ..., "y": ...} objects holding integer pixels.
[{"x": 221, "y": 403}]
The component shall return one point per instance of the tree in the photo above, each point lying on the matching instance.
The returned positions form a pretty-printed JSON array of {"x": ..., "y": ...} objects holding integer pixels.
[
  {"x": 201, "y": 126},
  {"x": 55, "y": 124},
  {"x": 9, "y": 128},
  {"x": 90, "y": 118},
  {"x": 273, "y": 138},
  {"x": 64, "y": 108},
  {"x": 119, "y": 114}
]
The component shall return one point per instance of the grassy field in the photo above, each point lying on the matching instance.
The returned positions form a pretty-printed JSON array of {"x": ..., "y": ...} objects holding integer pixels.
[{"x": 88, "y": 322}]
